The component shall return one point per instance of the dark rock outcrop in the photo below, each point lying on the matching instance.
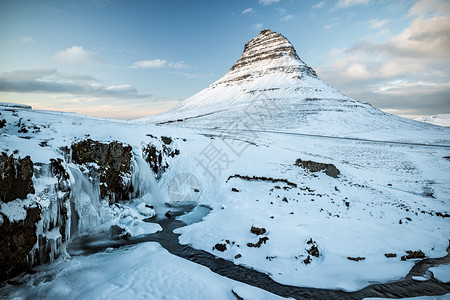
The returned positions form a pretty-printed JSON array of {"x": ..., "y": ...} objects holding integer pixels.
[
  {"x": 156, "y": 156},
  {"x": 257, "y": 230},
  {"x": 356, "y": 258},
  {"x": 313, "y": 166},
  {"x": 413, "y": 255},
  {"x": 262, "y": 178},
  {"x": 63, "y": 197},
  {"x": 261, "y": 241},
  {"x": 220, "y": 247},
  {"x": 16, "y": 177},
  {"x": 17, "y": 239},
  {"x": 110, "y": 162},
  {"x": 21, "y": 245}
]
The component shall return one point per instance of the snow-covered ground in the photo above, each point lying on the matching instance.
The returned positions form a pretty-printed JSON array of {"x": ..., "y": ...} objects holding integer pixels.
[
  {"x": 441, "y": 273},
  {"x": 145, "y": 271},
  {"x": 441, "y": 120},
  {"x": 376, "y": 206}
]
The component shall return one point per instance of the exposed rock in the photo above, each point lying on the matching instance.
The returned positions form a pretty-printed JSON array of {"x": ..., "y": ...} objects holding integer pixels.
[
  {"x": 2, "y": 123},
  {"x": 261, "y": 241},
  {"x": 404, "y": 220},
  {"x": 111, "y": 162},
  {"x": 413, "y": 255},
  {"x": 220, "y": 247},
  {"x": 390, "y": 255},
  {"x": 117, "y": 233},
  {"x": 443, "y": 215},
  {"x": 313, "y": 166},
  {"x": 258, "y": 231},
  {"x": 63, "y": 196},
  {"x": 237, "y": 256},
  {"x": 308, "y": 260},
  {"x": 314, "y": 249},
  {"x": 261, "y": 53},
  {"x": 356, "y": 258},
  {"x": 166, "y": 140},
  {"x": 235, "y": 190},
  {"x": 21, "y": 247},
  {"x": 156, "y": 156},
  {"x": 263, "y": 178},
  {"x": 17, "y": 239},
  {"x": 16, "y": 177}
]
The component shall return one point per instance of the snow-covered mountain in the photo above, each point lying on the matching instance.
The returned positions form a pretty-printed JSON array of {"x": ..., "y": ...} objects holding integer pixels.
[
  {"x": 440, "y": 120},
  {"x": 271, "y": 88}
]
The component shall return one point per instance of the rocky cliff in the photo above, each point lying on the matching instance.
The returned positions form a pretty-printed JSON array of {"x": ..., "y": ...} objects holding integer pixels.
[
  {"x": 38, "y": 213},
  {"x": 16, "y": 177}
]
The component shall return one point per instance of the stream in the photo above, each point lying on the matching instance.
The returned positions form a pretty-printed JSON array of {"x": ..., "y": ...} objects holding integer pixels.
[{"x": 407, "y": 287}]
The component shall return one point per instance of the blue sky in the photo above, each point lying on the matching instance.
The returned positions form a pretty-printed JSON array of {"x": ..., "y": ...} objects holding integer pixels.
[{"x": 128, "y": 59}]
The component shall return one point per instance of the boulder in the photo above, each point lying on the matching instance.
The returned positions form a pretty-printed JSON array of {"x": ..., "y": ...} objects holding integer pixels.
[
  {"x": 111, "y": 163},
  {"x": 313, "y": 166}
]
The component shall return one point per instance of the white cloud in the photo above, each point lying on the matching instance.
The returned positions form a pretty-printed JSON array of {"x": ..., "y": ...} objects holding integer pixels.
[
  {"x": 247, "y": 11},
  {"x": 332, "y": 23},
  {"x": 158, "y": 64},
  {"x": 437, "y": 7},
  {"x": 149, "y": 64},
  {"x": 77, "y": 55},
  {"x": 258, "y": 26},
  {"x": 348, "y": 3},
  {"x": 319, "y": 5},
  {"x": 178, "y": 65},
  {"x": 123, "y": 88},
  {"x": 409, "y": 72},
  {"x": 50, "y": 81},
  {"x": 26, "y": 40},
  {"x": 268, "y": 2},
  {"x": 192, "y": 75},
  {"x": 284, "y": 14},
  {"x": 287, "y": 18},
  {"x": 375, "y": 23}
]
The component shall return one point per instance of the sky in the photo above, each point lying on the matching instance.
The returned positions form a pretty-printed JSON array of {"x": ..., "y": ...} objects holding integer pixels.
[{"x": 133, "y": 58}]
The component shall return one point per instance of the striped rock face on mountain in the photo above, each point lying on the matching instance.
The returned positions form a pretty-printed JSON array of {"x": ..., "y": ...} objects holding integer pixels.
[{"x": 271, "y": 88}]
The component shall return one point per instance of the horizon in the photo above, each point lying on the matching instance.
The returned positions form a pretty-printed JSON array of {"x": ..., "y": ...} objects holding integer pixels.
[{"x": 109, "y": 59}]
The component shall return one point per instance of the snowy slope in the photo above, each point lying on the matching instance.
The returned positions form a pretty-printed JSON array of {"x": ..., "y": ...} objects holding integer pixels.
[
  {"x": 441, "y": 120},
  {"x": 376, "y": 206},
  {"x": 271, "y": 88}
]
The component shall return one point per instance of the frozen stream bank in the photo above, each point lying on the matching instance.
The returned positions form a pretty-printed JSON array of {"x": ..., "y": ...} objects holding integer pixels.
[{"x": 108, "y": 244}]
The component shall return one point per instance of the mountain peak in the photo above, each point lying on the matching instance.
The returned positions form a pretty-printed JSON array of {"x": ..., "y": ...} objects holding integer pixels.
[
  {"x": 267, "y": 53},
  {"x": 271, "y": 42}
]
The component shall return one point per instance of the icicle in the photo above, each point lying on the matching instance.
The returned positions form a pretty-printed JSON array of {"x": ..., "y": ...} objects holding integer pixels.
[
  {"x": 144, "y": 182},
  {"x": 86, "y": 201}
]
